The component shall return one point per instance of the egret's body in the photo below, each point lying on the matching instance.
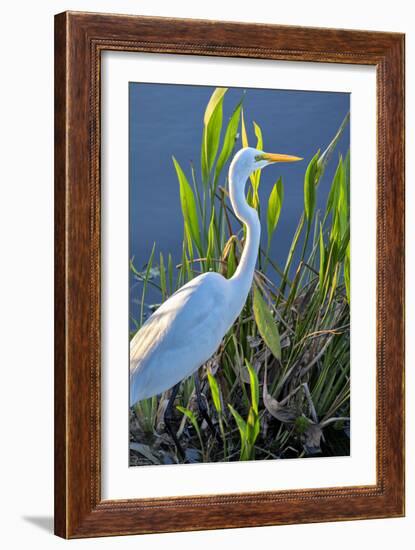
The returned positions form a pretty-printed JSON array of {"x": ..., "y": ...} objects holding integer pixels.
[
  {"x": 188, "y": 328},
  {"x": 165, "y": 340}
]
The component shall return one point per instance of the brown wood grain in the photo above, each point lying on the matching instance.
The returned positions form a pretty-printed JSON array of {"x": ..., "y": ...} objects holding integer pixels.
[{"x": 79, "y": 40}]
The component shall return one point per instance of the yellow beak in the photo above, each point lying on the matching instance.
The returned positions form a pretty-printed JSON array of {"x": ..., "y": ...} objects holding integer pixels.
[{"x": 277, "y": 157}]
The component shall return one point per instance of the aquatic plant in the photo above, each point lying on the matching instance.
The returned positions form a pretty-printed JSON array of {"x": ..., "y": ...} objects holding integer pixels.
[{"x": 283, "y": 386}]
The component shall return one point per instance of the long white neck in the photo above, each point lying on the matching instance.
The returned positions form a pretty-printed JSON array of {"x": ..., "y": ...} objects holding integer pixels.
[{"x": 242, "y": 278}]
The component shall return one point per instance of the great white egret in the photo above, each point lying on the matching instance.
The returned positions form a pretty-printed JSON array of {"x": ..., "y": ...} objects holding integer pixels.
[{"x": 187, "y": 329}]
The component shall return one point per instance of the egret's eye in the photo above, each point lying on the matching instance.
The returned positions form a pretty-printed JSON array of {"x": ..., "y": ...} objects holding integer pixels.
[{"x": 259, "y": 157}]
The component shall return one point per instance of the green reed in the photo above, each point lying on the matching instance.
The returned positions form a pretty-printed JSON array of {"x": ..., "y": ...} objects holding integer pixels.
[{"x": 279, "y": 384}]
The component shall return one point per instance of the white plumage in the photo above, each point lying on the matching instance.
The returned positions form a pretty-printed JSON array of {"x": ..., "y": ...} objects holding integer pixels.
[
  {"x": 187, "y": 329},
  {"x": 165, "y": 340}
]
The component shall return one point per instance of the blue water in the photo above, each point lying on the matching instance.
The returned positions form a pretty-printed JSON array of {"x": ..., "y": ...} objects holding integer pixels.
[{"x": 167, "y": 119}]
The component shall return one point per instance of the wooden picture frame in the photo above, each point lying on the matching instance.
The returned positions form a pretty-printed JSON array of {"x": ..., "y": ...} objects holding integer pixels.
[{"x": 79, "y": 40}]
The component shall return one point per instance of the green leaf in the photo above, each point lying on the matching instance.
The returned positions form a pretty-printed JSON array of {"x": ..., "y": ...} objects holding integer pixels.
[
  {"x": 214, "y": 388},
  {"x": 334, "y": 283},
  {"x": 188, "y": 240},
  {"x": 294, "y": 244},
  {"x": 258, "y": 133},
  {"x": 248, "y": 431},
  {"x": 347, "y": 172},
  {"x": 326, "y": 155},
  {"x": 250, "y": 197},
  {"x": 170, "y": 272},
  {"x": 214, "y": 101},
  {"x": 310, "y": 188},
  {"x": 347, "y": 273},
  {"x": 275, "y": 201},
  {"x": 334, "y": 189},
  {"x": 338, "y": 204},
  {"x": 211, "y": 239},
  {"x": 185, "y": 270},
  {"x": 342, "y": 202},
  {"x": 192, "y": 417},
  {"x": 253, "y": 427},
  {"x": 228, "y": 255},
  {"x": 240, "y": 422},
  {"x": 188, "y": 204},
  {"x": 213, "y": 136},
  {"x": 244, "y": 135},
  {"x": 266, "y": 324},
  {"x": 256, "y": 176},
  {"x": 211, "y": 131},
  {"x": 253, "y": 379},
  {"x": 146, "y": 411},
  {"x": 255, "y": 194},
  {"x": 231, "y": 262},
  {"x": 322, "y": 257},
  {"x": 163, "y": 283},
  {"x": 344, "y": 243},
  {"x": 228, "y": 141}
]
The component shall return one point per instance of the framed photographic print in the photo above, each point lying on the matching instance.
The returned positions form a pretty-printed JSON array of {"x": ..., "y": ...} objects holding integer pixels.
[{"x": 229, "y": 217}]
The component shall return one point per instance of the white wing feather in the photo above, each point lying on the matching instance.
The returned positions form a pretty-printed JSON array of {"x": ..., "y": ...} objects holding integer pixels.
[{"x": 179, "y": 336}]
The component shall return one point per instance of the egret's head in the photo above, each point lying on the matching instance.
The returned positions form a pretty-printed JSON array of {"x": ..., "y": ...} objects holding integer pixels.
[{"x": 248, "y": 159}]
